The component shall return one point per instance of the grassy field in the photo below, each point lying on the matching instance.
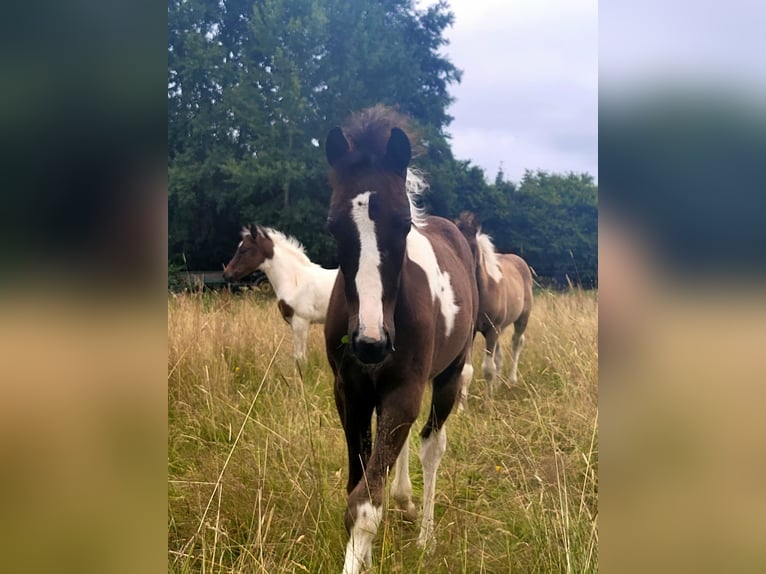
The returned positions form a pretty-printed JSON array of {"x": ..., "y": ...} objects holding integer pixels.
[{"x": 257, "y": 460}]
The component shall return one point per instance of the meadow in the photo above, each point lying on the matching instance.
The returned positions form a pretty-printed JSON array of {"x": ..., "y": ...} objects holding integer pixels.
[{"x": 257, "y": 458}]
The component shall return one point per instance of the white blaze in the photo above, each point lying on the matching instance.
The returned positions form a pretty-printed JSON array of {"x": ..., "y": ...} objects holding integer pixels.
[
  {"x": 421, "y": 252},
  {"x": 369, "y": 285}
]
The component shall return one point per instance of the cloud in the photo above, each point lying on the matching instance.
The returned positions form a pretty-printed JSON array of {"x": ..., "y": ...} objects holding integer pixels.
[{"x": 529, "y": 95}]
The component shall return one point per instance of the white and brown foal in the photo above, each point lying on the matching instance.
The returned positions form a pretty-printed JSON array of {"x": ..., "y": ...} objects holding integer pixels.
[
  {"x": 505, "y": 298},
  {"x": 302, "y": 287},
  {"x": 401, "y": 314}
]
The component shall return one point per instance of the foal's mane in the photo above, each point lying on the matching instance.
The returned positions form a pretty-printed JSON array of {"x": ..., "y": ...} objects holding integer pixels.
[
  {"x": 470, "y": 226},
  {"x": 489, "y": 256},
  {"x": 288, "y": 243},
  {"x": 416, "y": 187}
]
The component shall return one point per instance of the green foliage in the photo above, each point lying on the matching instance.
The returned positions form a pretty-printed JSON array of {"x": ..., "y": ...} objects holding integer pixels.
[
  {"x": 553, "y": 223},
  {"x": 550, "y": 220}
]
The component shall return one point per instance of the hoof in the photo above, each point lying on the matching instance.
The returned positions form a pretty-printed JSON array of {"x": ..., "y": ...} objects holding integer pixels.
[
  {"x": 410, "y": 514},
  {"x": 408, "y": 510}
]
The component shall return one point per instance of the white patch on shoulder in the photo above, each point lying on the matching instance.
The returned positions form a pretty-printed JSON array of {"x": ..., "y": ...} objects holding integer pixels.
[
  {"x": 359, "y": 547},
  {"x": 369, "y": 285},
  {"x": 489, "y": 256},
  {"x": 421, "y": 252}
]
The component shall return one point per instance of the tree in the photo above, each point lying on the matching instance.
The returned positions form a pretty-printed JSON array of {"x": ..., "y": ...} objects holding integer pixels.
[
  {"x": 253, "y": 87},
  {"x": 553, "y": 224}
]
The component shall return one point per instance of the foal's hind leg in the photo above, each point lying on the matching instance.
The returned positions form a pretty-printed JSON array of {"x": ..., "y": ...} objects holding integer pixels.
[
  {"x": 488, "y": 366},
  {"x": 499, "y": 356},
  {"x": 434, "y": 441},
  {"x": 516, "y": 343},
  {"x": 466, "y": 376}
]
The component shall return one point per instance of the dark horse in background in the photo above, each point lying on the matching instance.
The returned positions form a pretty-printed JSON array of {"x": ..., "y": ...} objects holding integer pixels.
[
  {"x": 505, "y": 298},
  {"x": 401, "y": 313}
]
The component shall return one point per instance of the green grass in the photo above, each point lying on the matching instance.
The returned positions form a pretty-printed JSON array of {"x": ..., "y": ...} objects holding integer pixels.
[{"x": 257, "y": 460}]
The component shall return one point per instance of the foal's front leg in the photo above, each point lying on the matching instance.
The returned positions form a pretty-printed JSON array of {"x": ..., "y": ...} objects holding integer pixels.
[
  {"x": 365, "y": 502},
  {"x": 488, "y": 365},
  {"x": 355, "y": 411},
  {"x": 300, "y": 328},
  {"x": 517, "y": 343}
]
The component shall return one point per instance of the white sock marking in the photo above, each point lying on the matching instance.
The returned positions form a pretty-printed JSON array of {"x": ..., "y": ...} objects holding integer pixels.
[
  {"x": 431, "y": 452},
  {"x": 369, "y": 285},
  {"x": 466, "y": 376},
  {"x": 518, "y": 342},
  {"x": 488, "y": 367},
  {"x": 421, "y": 252},
  {"x": 359, "y": 547}
]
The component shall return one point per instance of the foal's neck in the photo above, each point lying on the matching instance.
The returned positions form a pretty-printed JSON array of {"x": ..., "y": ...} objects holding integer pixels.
[{"x": 285, "y": 269}]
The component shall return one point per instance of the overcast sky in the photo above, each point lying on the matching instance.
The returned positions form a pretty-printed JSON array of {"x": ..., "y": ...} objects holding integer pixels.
[
  {"x": 704, "y": 44},
  {"x": 529, "y": 94}
]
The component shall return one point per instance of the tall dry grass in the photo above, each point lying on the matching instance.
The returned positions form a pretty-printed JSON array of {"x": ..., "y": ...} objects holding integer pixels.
[{"x": 256, "y": 455}]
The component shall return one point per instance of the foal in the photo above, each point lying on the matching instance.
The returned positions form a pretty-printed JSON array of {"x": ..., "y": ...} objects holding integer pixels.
[
  {"x": 402, "y": 313},
  {"x": 505, "y": 297},
  {"x": 301, "y": 286}
]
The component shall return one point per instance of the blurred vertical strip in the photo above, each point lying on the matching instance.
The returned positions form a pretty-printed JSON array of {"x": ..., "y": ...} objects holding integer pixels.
[
  {"x": 83, "y": 125},
  {"x": 682, "y": 317},
  {"x": 84, "y": 136}
]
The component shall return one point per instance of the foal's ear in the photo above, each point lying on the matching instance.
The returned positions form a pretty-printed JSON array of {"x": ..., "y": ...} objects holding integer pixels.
[
  {"x": 336, "y": 146},
  {"x": 398, "y": 152}
]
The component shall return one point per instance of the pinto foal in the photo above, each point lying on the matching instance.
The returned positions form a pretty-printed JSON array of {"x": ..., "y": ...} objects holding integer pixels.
[
  {"x": 301, "y": 286},
  {"x": 401, "y": 313},
  {"x": 505, "y": 297}
]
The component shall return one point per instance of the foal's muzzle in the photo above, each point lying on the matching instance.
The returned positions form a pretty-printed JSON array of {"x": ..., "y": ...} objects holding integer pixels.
[{"x": 369, "y": 350}]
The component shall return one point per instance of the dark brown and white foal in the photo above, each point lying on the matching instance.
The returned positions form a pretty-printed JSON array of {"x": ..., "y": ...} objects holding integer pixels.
[
  {"x": 302, "y": 287},
  {"x": 505, "y": 298},
  {"x": 401, "y": 314}
]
